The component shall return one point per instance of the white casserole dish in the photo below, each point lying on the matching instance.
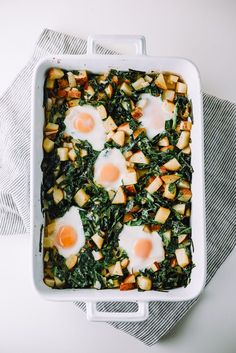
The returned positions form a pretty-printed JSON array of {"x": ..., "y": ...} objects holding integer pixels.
[{"x": 102, "y": 63}]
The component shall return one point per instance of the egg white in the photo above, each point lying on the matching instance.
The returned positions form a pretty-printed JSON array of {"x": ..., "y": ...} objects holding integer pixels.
[
  {"x": 127, "y": 240},
  {"x": 114, "y": 156},
  {"x": 97, "y": 136},
  {"x": 152, "y": 110},
  {"x": 70, "y": 218}
]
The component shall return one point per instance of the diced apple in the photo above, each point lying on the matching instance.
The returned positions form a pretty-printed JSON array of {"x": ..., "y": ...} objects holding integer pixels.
[
  {"x": 57, "y": 195},
  {"x": 109, "y": 124},
  {"x": 63, "y": 153},
  {"x": 183, "y": 140},
  {"x": 182, "y": 257},
  {"x": 126, "y": 89},
  {"x": 119, "y": 138},
  {"x": 163, "y": 142},
  {"x": 117, "y": 269},
  {"x": 162, "y": 215},
  {"x": 184, "y": 195},
  {"x": 154, "y": 185},
  {"x": 139, "y": 157},
  {"x": 125, "y": 127},
  {"x": 180, "y": 208},
  {"x": 160, "y": 82},
  {"x": 169, "y": 179},
  {"x": 140, "y": 84},
  {"x": 172, "y": 165},
  {"x": 102, "y": 111},
  {"x": 185, "y": 125},
  {"x": 170, "y": 191},
  {"x": 181, "y": 87},
  {"x": 120, "y": 197},
  {"x": 144, "y": 283},
  {"x": 71, "y": 261},
  {"x": 48, "y": 145},
  {"x": 55, "y": 73},
  {"x": 81, "y": 198},
  {"x": 98, "y": 240}
]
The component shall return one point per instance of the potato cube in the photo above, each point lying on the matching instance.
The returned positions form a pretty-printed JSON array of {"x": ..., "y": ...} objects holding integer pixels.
[
  {"x": 111, "y": 194},
  {"x": 125, "y": 127},
  {"x": 140, "y": 84},
  {"x": 185, "y": 125},
  {"x": 63, "y": 153},
  {"x": 180, "y": 208},
  {"x": 72, "y": 155},
  {"x": 155, "y": 266},
  {"x": 154, "y": 185},
  {"x": 183, "y": 140},
  {"x": 131, "y": 177},
  {"x": 117, "y": 271},
  {"x": 97, "y": 255},
  {"x": 81, "y": 198},
  {"x": 162, "y": 215},
  {"x": 184, "y": 195},
  {"x": 139, "y": 157},
  {"x": 170, "y": 191},
  {"x": 183, "y": 184},
  {"x": 169, "y": 107},
  {"x": 55, "y": 73},
  {"x": 48, "y": 145},
  {"x": 127, "y": 286},
  {"x": 50, "y": 83},
  {"x": 139, "y": 131},
  {"x": 109, "y": 124},
  {"x": 71, "y": 79},
  {"x": 83, "y": 153},
  {"x": 181, "y": 238},
  {"x": 144, "y": 283},
  {"x": 74, "y": 103},
  {"x": 102, "y": 111},
  {"x": 126, "y": 89},
  {"x": 109, "y": 90},
  {"x": 98, "y": 240},
  {"x": 47, "y": 242},
  {"x": 58, "y": 195},
  {"x": 169, "y": 179},
  {"x": 81, "y": 78},
  {"x": 160, "y": 82},
  {"x": 172, "y": 165},
  {"x": 163, "y": 142},
  {"x": 71, "y": 261},
  {"x": 89, "y": 91},
  {"x": 120, "y": 197},
  {"x": 51, "y": 127},
  {"x": 187, "y": 150},
  {"x": 127, "y": 154},
  {"x": 124, "y": 263},
  {"x": 49, "y": 282},
  {"x": 119, "y": 138},
  {"x": 168, "y": 95},
  {"x": 182, "y": 257},
  {"x": 181, "y": 87}
]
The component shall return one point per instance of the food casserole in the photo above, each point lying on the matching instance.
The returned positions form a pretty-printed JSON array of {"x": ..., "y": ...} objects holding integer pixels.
[{"x": 102, "y": 64}]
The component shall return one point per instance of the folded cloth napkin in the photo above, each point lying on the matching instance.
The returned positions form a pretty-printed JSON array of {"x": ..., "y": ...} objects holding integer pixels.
[{"x": 220, "y": 160}]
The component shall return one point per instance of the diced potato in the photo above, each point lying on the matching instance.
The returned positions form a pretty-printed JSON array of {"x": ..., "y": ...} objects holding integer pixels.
[
  {"x": 47, "y": 242},
  {"x": 63, "y": 153},
  {"x": 148, "y": 78},
  {"x": 126, "y": 89},
  {"x": 130, "y": 177},
  {"x": 188, "y": 212},
  {"x": 186, "y": 150},
  {"x": 98, "y": 240},
  {"x": 111, "y": 194},
  {"x": 167, "y": 235},
  {"x": 117, "y": 269},
  {"x": 102, "y": 111},
  {"x": 81, "y": 198},
  {"x": 147, "y": 228},
  {"x": 128, "y": 217},
  {"x": 111, "y": 269},
  {"x": 185, "y": 125},
  {"x": 127, "y": 154},
  {"x": 110, "y": 135},
  {"x": 139, "y": 157},
  {"x": 58, "y": 282},
  {"x": 138, "y": 132},
  {"x": 48, "y": 145},
  {"x": 169, "y": 107},
  {"x": 173, "y": 78},
  {"x": 167, "y": 148},
  {"x": 51, "y": 127},
  {"x": 130, "y": 189},
  {"x": 172, "y": 165},
  {"x": 68, "y": 144},
  {"x": 154, "y": 185},
  {"x": 71, "y": 79},
  {"x": 109, "y": 90},
  {"x": 81, "y": 78},
  {"x": 119, "y": 138},
  {"x": 97, "y": 255},
  {"x": 58, "y": 195},
  {"x": 140, "y": 84},
  {"x": 137, "y": 113},
  {"x": 109, "y": 124},
  {"x": 160, "y": 82},
  {"x": 115, "y": 80},
  {"x": 46, "y": 256},
  {"x": 50, "y": 83},
  {"x": 74, "y": 93},
  {"x": 169, "y": 179},
  {"x": 83, "y": 153},
  {"x": 124, "y": 263},
  {"x": 63, "y": 82},
  {"x": 73, "y": 103},
  {"x": 182, "y": 257},
  {"x": 90, "y": 91},
  {"x": 144, "y": 283},
  {"x": 183, "y": 140},
  {"x": 181, "y": 238},
  {"x": 127, "y": 286},
  {"x": 184, "y": 195},
  {"x": 181, "y": 87},
  {"x": 60, "y": 179},
  {"x": 180, "y": 208},
  {"x": 120, "y": 197},
  {"x": 168, "y": 95},
  {"x": 183, "y": 184},
  {"x": 163, "y": 142},
  {"x": 125, "y": 127},
  {"x": 49, "y": 282},
  {"x": 55, "y": 73},
  {"x": 72, "y": 155},
  {"x": 71, "y": 261},
  {"x": 170, "y": 191},
  {"x": 50, "y": 228},
  {"x": 162, "y": 215},
  {"x": 155, "y": 266}
]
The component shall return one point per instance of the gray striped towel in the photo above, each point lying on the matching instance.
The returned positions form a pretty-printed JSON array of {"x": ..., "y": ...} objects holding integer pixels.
[{"x": 220, "y": 127}]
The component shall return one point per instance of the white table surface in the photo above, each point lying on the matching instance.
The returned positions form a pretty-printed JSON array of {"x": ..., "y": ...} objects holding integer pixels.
[{"x": 203, "y": 31}]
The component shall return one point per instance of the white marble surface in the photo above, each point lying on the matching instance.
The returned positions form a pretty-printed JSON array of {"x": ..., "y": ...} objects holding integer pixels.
[{"x": 203, "y": 31}]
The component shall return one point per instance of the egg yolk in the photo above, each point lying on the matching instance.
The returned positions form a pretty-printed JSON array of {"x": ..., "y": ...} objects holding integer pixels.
[
  {"x": 66, "y": 237},
  {"x": 84, "y": 122},
  {"x": 109, "y": 173},
  {"x": 143, "y": 248}
]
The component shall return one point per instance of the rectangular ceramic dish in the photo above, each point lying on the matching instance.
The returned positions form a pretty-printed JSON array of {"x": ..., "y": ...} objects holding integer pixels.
[{"x": 99, "y": 64}]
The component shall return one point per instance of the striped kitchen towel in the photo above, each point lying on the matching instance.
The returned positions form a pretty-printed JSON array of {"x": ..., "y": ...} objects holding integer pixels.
[{"x": 220, "y": 160}]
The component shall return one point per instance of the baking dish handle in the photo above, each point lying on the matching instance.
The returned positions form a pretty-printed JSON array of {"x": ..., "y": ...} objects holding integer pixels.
[
  {"x": 94, "y": 315},
  {"x": 137, "y": 40}
]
